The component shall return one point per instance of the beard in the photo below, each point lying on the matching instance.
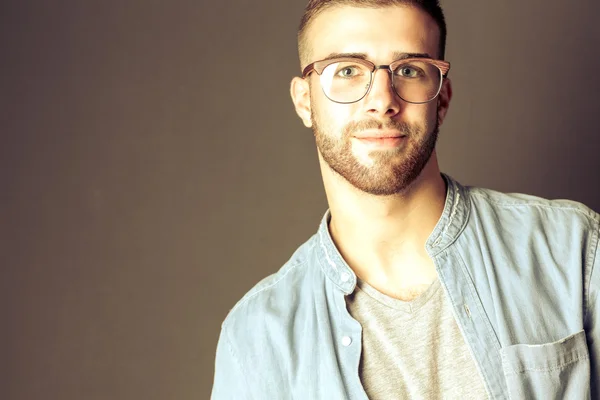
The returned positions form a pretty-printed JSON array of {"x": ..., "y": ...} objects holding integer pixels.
[{"x": 391, "y": 171}]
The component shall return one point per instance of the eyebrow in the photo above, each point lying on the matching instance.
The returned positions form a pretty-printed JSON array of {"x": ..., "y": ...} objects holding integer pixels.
[{"x": 398, "y": 55}]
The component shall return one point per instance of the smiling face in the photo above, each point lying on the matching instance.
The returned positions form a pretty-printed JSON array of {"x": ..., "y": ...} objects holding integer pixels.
[{"x": 379, "y": 144}]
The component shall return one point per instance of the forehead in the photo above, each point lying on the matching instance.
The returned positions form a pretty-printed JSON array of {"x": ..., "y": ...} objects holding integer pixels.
[{"x": 377, "y": 32}]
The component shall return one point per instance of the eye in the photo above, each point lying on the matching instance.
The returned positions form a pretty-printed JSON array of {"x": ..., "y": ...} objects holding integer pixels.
[
  {"x": 349, "y": 71},
  {"x": 408, "y": 71}
]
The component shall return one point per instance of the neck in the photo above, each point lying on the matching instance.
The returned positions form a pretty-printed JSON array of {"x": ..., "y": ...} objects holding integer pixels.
[{"x": 382, "y": 238}]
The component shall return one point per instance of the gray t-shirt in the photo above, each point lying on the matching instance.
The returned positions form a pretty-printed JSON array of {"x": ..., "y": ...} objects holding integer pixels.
[{"x": 413, "y": 350}]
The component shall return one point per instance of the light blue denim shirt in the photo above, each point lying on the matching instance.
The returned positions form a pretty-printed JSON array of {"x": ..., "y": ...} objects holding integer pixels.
[{"x": 522, "y": 275}]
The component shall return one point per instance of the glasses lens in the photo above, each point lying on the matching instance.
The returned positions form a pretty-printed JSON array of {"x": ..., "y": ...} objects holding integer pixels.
[
  {"x": 345, "y": 82},
  {"x": 417, "y": 81}
]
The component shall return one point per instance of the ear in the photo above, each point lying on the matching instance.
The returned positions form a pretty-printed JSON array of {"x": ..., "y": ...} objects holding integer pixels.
[
  {"x": 300, "y": 91},
  {"x": 444, "y": 100}
]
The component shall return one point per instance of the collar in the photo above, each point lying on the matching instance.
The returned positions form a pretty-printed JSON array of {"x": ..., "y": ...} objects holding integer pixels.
[{"x": 448, "y": 228}]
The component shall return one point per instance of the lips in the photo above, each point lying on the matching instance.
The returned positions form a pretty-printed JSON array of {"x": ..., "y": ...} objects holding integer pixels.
[
  {"x": 381, "y": 142},
  {"x": 379, "y": 135}
]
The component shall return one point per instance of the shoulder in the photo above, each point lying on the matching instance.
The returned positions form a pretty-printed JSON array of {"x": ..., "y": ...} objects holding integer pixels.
[
  {"x": 527, "y": 206},
  {"x": 275, "y": 295},
  {"x": 564, "y": 233}
]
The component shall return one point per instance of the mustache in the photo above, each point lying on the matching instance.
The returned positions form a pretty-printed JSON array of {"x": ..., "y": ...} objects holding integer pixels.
[{"x": 357, "y": 126}]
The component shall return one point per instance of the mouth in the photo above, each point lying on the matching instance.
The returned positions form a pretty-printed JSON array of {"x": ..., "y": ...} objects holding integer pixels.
[
  {"x": 380, "y": 138},
  {"x": 381, "y": 141},
  {"x": 379, "y": 134}
]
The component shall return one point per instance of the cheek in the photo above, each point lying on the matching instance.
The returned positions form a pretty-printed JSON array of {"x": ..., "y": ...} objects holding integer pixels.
[
  {"x": 330, "y": 117},
  {"x": 422, "y": 114}
]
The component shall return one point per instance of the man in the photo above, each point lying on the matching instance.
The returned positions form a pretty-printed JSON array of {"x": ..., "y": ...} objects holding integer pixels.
[{"x": 414, "y": 286}]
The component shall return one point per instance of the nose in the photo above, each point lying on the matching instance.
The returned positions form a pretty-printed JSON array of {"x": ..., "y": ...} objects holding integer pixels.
[{"x": 382, "y": 100}]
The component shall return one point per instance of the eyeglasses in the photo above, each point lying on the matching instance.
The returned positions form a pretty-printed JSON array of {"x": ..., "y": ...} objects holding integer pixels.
[{"x": 347, "y": 80}]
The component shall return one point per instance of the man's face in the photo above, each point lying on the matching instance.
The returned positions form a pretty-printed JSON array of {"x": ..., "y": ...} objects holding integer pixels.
[{"x": 349, "y": 136}]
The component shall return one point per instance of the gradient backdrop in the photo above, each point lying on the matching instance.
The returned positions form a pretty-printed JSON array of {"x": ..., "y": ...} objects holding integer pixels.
[{"x": 153, "y": 170}]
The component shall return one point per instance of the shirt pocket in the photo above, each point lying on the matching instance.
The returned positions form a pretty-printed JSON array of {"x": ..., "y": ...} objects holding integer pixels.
[{"x": 559, "y": 370}]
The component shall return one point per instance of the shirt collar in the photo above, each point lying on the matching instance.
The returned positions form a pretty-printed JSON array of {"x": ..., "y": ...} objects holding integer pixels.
[{"x": 448, "y": 228}]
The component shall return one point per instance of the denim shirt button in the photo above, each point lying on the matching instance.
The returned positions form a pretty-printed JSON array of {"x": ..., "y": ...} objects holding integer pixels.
[{"x": 346, "y": 341}]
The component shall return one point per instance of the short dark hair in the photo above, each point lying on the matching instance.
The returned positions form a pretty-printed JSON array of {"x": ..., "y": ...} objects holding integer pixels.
[{"x": 315, "y": 7}]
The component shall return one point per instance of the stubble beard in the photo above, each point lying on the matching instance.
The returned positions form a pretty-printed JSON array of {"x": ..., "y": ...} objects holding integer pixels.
[{"x": 393, "y": 170}]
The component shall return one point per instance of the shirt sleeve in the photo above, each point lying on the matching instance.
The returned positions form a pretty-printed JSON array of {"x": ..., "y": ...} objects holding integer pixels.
[
  {"x": 593, "y": 320},
  {"x": 229, "y": 381}
]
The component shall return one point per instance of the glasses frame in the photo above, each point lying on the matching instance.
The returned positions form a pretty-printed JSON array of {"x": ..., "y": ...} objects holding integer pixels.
[{"x": 319, "y": 66}]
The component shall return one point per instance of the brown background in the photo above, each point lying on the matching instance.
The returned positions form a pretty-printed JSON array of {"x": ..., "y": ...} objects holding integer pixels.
[{"x": 153, "y": 170}]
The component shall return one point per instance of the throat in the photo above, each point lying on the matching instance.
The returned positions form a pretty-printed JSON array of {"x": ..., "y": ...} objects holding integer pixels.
[{"x": 402, "y": 283}]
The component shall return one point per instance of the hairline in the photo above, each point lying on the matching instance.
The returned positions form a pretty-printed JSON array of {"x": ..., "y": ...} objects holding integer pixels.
[{"x": 305, "y": 51}]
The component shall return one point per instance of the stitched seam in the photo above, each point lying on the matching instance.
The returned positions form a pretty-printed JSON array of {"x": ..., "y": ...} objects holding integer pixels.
[
  {"x": 450, "y": 219},
  {"x": 477, "y": 301},
  {"x": 487, "y": 383},
  {"x": 248, "y": 297},
  {"x": 549, "y": 368},
  {"x": 590, "y": 261},
  {"x": 322, "y": 244},
  {"x": 589, "y": 214},
  {"x": 469, "y": 347},
  {"x": 330, "y": 262}
]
